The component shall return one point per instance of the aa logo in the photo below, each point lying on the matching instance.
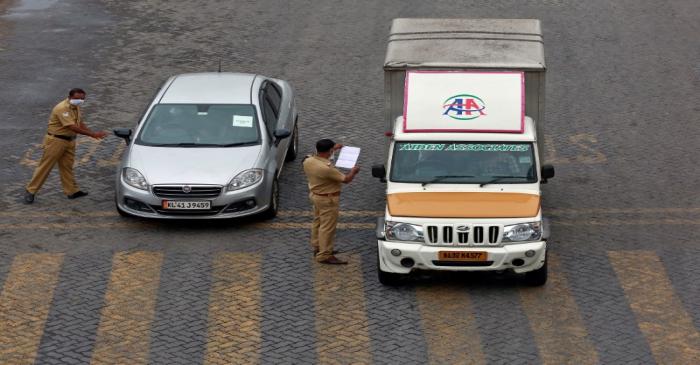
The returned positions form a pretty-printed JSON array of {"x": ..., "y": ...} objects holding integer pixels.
[{"x": 464, "y": 107}]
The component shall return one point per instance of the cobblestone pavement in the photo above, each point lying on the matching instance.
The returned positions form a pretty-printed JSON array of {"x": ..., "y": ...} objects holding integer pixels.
[{"x": 80, "y": 284}]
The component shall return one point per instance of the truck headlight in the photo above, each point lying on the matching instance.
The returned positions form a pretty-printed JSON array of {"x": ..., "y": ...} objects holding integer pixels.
[
  {"x": 522, "y": 232},
  {"x": 397, "y": 231},
  {"x": 245, "y": 179},
  {"x": 134, "y": 178}
]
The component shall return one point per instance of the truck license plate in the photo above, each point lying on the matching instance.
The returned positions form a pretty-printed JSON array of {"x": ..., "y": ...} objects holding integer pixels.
[
  {"x": 186, "y": 204},
  {"x": 462, "y": 255}
]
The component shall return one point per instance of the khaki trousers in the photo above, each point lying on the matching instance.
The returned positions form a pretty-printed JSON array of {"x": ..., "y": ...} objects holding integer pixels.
[
  {"x": 59, "y": 151},
  {"x": 324, "y": 224}
]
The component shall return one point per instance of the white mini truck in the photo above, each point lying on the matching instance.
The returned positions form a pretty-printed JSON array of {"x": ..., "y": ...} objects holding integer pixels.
[{"x": 464, "y": 104}]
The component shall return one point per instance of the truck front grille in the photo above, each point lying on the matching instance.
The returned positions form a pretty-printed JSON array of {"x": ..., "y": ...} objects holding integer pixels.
[{"x": 463, "y": 235}]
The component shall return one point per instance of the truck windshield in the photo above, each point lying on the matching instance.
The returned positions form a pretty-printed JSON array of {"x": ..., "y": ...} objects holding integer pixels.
[{"x": 462, "y": 162}]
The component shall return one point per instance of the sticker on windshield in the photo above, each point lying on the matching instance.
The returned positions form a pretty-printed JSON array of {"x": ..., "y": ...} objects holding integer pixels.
[
  {"x": 245, "y": 121},
  {"x": 525, "y": 159}
]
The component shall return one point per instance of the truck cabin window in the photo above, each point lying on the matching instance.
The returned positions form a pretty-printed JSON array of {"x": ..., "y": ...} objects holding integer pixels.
[{"x": 465, "y": 163}]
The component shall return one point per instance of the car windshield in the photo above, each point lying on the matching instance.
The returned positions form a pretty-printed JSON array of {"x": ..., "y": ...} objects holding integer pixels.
[
  {"x": 460, "y": 162},
  {"x": 200, "y": 125}
]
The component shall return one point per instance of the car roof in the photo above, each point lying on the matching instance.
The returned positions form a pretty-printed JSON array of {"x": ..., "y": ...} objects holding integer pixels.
[{"x": 209, "y": 88}]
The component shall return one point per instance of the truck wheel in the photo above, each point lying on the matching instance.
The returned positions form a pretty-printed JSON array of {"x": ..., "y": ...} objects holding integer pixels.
[
  {"x": 537, "y": 277},
  {"x": 271, "y": 211},
  {"x": 293, "y": 149},
  {"x": 388, "y": 278}
]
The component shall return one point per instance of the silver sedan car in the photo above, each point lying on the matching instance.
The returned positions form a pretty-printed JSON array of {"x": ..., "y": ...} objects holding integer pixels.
[{"x": 210, "y": 145}]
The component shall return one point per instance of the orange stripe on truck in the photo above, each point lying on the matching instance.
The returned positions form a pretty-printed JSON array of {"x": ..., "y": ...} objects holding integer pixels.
[{"x": 463, "y": 205}]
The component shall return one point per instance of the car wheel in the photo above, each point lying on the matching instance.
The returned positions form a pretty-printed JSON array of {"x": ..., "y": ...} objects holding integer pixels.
[
  {"x": 271, "y": 211},
  {"x": 537, "y": 277},
  {"x": 388, "y": 278},
  {"x": 293, "y": 149}
]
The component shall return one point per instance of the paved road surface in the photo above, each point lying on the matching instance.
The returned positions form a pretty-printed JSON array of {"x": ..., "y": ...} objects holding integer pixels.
[{"x": 80, "y": 284}]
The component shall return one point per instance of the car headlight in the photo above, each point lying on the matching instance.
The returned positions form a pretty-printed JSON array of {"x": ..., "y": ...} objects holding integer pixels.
[
  {"x": 522, "y": 232},
  {"x": 397, "y": 231},
  {"x": 245, "y": 179},
  {"x": 134, "y": 178}
]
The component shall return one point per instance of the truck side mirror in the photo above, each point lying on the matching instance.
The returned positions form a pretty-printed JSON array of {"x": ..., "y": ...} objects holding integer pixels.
[
  {"x": 281, "y": 134},
  {"x": 379, "y": 171},
  {"x": 123, "y": 133},
  {"x": 547, "y": 172}
]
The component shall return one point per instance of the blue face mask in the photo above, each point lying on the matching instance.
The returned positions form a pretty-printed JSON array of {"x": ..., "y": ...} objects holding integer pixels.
[{"x": 76, "y": 102}]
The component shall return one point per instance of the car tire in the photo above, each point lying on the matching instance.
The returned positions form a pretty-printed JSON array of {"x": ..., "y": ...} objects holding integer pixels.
[
  {"x": 272, "y": 210},
  {"x": 537, "y": 277},
  {"x": 388, "y": 278},
  {"x": 293, "y": 149}
]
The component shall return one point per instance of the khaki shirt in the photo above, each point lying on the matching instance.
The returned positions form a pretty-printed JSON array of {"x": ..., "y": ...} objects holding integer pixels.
[
  {"x": 63, "y": 115},
  {"x": 323, "y": 177}
]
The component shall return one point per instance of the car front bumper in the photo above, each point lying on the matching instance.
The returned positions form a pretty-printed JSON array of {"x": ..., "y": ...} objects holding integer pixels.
[
  {"x": 240, "y": 203},
  {"x": 426, "y": 257}
]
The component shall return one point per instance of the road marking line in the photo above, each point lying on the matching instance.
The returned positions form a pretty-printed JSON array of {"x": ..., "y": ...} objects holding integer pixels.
[
  {"x": 368, "y": 213},
  {"x": 91, "y": 148},
  {"x": 555, "y": 321},
  {"x": 115, "y": 159},
  {"x": 25, "y": 302},
  {"x": 27, "y": 158},
  {"x": 666, "y": 325},
  {"x": 449, "y": 326},
  {"x": 341, "y": 314},
  {"x": 234, "y": 310},
  {"x": 627, "y": 222},
  {"x": 555, "y": 211},
  {"x": 123, "y": 336},
  {"x": 343, "y": 213}
]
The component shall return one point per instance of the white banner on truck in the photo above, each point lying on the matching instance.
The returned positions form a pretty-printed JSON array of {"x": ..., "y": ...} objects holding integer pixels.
[{"x": 464, "y": 101}]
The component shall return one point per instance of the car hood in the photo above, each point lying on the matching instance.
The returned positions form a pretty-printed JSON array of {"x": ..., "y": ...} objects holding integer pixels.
[{"x": 190, "y": 165}]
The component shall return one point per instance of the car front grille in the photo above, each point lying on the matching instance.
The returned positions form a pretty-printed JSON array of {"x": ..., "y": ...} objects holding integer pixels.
[
  {"x": 463, "y": 235},
  {"x": 187, "y": 191}
]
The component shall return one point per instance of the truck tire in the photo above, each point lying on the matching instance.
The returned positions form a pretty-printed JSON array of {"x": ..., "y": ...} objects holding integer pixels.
[
  {"x": 293, "y": 149},
  {"x": 388, "y": 278},
  {"x": 537, "y": 277}
]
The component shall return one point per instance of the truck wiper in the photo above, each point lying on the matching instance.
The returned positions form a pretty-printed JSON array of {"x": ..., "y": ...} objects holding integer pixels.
[
  {"x": 499, "y": 178},
  {"x": 443, "y": 177}
]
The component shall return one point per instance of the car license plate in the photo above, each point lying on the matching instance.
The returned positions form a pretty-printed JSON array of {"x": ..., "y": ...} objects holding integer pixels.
[
  {"x": 186, "y": 204},
  {"x": 462, "y": 256}
]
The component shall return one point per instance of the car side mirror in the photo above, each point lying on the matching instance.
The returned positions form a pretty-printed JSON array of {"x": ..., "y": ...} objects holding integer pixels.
[
  {"x": 379, "y": 171},
  {"x": 547, "y": 172},
  {"x": 123, "y": 133},
  {"x": 281, "y": 134}
]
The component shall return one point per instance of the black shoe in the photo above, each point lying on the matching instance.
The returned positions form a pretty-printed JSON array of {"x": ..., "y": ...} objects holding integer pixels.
[
  {"x": 333, "y": 261},
  {"x": 28, "y": 197},
  {"x": 332, "y": 253},
  {"x": 77, "y": 194}
]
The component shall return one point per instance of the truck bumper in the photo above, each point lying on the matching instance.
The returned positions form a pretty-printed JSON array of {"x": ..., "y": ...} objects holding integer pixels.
[{"x": 425, "y": 257}]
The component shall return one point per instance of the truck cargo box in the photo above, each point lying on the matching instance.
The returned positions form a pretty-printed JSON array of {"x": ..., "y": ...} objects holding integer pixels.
[{"x": 466, "y": 44}]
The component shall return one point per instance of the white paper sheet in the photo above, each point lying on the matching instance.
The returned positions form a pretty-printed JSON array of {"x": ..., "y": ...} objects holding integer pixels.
[{"x": 348, "y": 157}]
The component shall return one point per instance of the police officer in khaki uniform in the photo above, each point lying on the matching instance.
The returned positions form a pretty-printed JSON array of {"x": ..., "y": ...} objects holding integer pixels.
[
  {"x": 324, "y": 191},
  {"x": 65, "y": 123}
]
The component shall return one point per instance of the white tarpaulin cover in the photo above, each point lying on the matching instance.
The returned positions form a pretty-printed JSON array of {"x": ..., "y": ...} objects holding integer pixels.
[{"x": 464, "y": 101}]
